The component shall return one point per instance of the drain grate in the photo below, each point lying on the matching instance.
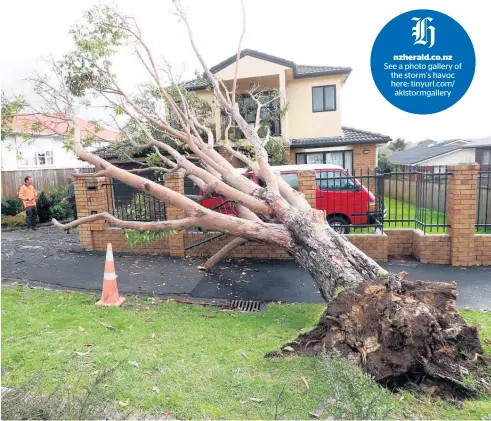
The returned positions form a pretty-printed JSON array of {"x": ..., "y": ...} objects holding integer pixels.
[{"x": 245, "y": 306}]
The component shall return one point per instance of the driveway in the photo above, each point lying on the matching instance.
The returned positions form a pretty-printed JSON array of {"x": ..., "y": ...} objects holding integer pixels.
[{"x": 52, "y": 257}]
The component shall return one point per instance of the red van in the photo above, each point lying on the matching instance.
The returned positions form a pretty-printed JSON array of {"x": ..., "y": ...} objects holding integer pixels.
[{"x": 345, "y": 200}]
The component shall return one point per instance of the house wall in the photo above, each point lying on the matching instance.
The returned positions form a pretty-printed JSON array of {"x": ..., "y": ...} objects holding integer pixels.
[
  {"x": 61, "y": 157},
  {"x": 251, "y": 67},
  {"x": 461, "y": 156},
  {"x": 303, "y": 122}
]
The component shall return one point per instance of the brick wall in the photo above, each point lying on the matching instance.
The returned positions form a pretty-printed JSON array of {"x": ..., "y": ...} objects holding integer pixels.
[
  {"x": 115, "y": 236},
  {"x": 461, "y": 208},
  {"x": 434, "y": 248},
  {"x": 250, "y": 250},
  {"x": 364, "y": 161},
  {"x": 306, "y": 185},
  {"x": 400, "y": 241},
  {"x": 483, "y": 249},
  {"x": 375, "y": 246},
  {"x": 460, "y": 247}
]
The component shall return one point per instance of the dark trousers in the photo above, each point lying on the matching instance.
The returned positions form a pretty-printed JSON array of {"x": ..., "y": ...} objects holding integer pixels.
[
  {"x": 31, "y": 216},
  {"x": 74, "y": 209}
]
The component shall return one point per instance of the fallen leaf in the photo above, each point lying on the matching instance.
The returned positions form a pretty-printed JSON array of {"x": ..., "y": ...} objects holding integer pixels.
[
  {"x": 401, "y": 398},
  {"x": 288, "y": 348},
  {"x": 123, "y": 404},
  {"x": 209, "y": 316},
  {"x": 81, "y": 329},
  {"x": 153, "y": 335},
  {"x": 488, "y": 341},
  {"x": 80, "y": 354},
  {"x": 245, "y": 355},
  {"x": 88, "y": 343},
  {"x": 243, "y": 402},
  {"x": 402, "y": 275},
  {"x": 257, "y": 400},
  {"x": 156, "y": 389},
  {"x": 306, "y": 382},
  {"x": 154, "y": 356},
  {"x": 105, "y": 324},
  {"x": 134, "y": 363},
  {"x": 148, "y": 321}
]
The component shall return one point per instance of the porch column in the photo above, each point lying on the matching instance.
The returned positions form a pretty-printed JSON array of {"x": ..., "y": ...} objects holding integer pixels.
[{"x": 283, "y": 101}]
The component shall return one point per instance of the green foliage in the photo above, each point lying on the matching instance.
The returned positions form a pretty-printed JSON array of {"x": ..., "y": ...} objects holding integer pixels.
[
  {"x": 139, "y": 238},
  {"x": 18, "y": 220},
  {"x": 10, "y": 107},
  {"x": 397, "y": 145},
  {"x": 356, "y": 395},
  {"x": 4, "y": 219},
  {"x": 58, "y": 194},
  {"x": 277, "y": 149},
  {"x": 33, "y": 400},
  {"x": 44, "y": 207},
  {"x": 383, "y": 163},
  {"x": 12, "y": 206},
  {"x": 62, "y": 211}
]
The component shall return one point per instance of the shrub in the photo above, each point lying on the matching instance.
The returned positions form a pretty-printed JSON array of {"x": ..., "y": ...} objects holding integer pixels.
[
  {"x": 18, "y": 220},
  {"x": 4, "y": 219},
  {"x": 12, "y": 206},
  {"x": 44, "y": 207},
  {"x": 58, "y": 194},
  {"x": 62, "y": 211}
]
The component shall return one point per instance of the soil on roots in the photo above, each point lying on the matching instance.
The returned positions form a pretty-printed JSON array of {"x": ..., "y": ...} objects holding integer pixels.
[{"x": 405, "y": 336}]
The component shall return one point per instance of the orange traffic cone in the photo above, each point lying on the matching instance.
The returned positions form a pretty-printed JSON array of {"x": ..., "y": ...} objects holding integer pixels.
[{"x": 110, "y": 294}]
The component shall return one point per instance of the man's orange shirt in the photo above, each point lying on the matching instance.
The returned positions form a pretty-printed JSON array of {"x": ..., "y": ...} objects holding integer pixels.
[{"x": 28, "y": 195}]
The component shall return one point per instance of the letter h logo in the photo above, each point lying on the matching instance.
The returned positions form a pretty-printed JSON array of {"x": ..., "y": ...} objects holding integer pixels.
[{"x": 423, "y": 32}]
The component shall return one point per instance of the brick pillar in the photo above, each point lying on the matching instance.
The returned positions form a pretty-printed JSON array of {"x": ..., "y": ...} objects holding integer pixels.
[
  {"x": 306, "y": 185},
  {"x": 91, "y": 197},
  {"x": 461, "y": 208},
  {"x": 363, "y": 160},
  {"x": 176, "y": 241}
]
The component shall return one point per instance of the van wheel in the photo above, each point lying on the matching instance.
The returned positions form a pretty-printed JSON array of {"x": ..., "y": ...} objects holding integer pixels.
[{"x": 337, "y": 222}]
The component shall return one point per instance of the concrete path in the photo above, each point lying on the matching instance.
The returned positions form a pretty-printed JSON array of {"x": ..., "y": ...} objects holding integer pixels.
[{"x": 52, "y": 257}]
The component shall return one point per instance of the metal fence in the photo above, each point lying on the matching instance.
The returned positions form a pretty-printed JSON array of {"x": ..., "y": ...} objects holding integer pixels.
[
  {"x": 483, "y": 214},
  {"x": 367, "y": 201},
  {"x": 130, "y": 204}
]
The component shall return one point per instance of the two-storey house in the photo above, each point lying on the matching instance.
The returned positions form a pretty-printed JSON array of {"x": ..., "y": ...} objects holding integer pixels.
[{"x": 312, "y": 122}]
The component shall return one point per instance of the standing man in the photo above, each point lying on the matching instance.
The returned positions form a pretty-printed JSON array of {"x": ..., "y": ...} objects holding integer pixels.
[
  {"x": 28, "y": 194},
  {"x": 71, "y": 197}
]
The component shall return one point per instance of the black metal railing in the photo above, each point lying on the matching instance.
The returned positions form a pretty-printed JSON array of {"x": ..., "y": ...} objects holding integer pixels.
[
  {"x": 368, "y": 201},
  {"x": 130, "y": 204},
  {"x": 483, "y": 212}
]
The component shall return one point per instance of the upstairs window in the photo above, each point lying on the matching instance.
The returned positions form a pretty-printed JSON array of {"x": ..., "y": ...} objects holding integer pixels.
[{"x": 324, "y": 98}]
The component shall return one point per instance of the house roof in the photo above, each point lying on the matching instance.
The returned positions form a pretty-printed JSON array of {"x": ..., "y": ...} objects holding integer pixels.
[
  {"x": 350, "y": 136},
  {"x": 421, "y": 153},
  {"x": 480, "y": 143},
  {"x": 57, "y": 125},
  {"x": 299, "y": 70}
]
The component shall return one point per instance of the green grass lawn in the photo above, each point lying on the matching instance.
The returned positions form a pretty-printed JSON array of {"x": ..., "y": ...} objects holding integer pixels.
[
  {"x": 194, "y": 361},
  {"x": 398, "y": 210}
]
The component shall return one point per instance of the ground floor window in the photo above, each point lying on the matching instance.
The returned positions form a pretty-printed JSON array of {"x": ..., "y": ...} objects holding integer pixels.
[{"x": 342, "y": 158}]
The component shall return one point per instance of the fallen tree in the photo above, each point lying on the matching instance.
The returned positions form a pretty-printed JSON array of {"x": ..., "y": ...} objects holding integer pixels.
[{"x": 374, "y": 304}]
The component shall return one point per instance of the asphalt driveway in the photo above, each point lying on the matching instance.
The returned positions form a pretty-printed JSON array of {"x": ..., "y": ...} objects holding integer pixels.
[{"x": 52, "y": 257}]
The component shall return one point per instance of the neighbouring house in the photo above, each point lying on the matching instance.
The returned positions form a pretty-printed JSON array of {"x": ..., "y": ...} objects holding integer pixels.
[
  {"x": 483, "y": 152},
  {"x": 35, "y": 147},
  {"x": 312, "y": 123},
  {"x": 449, "y": 152}
]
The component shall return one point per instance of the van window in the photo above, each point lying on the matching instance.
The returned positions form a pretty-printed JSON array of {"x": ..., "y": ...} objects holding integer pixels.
[
  {"x": 291, "y": 179},
  {"x": 333, "y": 180}
]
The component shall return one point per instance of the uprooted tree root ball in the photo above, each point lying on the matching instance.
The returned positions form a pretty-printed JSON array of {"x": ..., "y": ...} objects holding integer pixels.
[{"x": 401, "y": 336}]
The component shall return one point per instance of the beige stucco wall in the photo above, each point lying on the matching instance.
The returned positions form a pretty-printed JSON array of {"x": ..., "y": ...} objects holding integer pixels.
[
  {"x": 303, "y": 122},
  {"x": 251, "y": 67},
  {"x": 209, "y": 98}
]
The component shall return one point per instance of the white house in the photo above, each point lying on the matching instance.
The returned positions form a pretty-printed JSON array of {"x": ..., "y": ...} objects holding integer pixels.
[
  {"x": 44, "y": 147},
  {"x": 449, "y": 152}
]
